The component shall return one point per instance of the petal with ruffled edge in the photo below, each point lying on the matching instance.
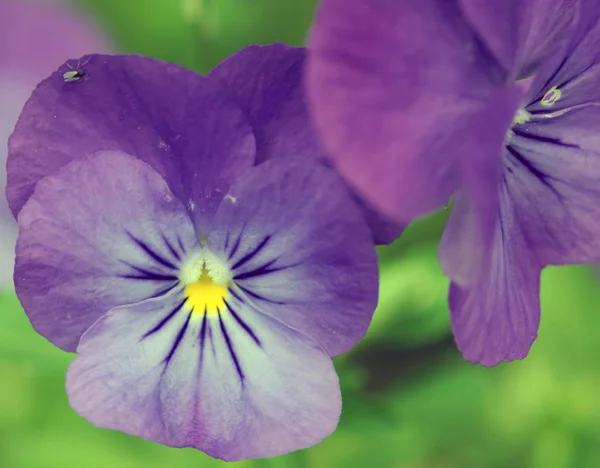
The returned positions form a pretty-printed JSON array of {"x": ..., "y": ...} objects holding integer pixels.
[
  {"x": 177, "y": 121},
  {"x": 299, "y": 250},
  {"x": 497, "y": 320},
  {"x": 397, "y": 90},
  {"x": 103, "y": 231},
  {"x": 236, "y": 384},
  {"x": 267, "y": 83},
  {"x": 522, "y": 34}
]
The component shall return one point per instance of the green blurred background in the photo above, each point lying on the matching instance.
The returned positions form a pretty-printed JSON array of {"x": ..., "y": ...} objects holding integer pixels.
[{"x": 410, "y": 401}]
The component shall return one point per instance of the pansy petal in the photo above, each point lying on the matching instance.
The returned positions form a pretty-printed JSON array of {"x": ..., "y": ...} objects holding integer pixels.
[
  {"x": 187, "y": 379},
  {"x": 177, "y": 121},
  {"x": 554, "y": 169},
  {"x": 267, "y": 83},
  {"x": 299, "y": 250},
  {"x": 522, "y": 34},
  {"x": 105, "y": 230},
  {"x": 498, "y": 319},
  {"x": 398, "y": 90}
]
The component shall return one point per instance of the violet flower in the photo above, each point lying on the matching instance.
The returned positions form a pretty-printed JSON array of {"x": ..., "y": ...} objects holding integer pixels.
[
  {"x": 492, "y": 102},
  {"x": 204, "y": 293},
  {"x": 34, "y": 37}
]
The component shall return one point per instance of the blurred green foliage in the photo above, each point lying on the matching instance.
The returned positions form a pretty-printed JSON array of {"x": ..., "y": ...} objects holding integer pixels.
[{"x": 410, "y": 401}]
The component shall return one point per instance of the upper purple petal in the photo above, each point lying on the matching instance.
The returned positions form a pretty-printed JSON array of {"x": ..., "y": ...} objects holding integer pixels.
[
  {"x": 178, "y": 122},
  {"x": 394, "y": 85},
  {"x": 104, "y": 231},
  {"x": 267, "y": 83},
  {"x": 521, "y": 34},
  {"x": 299, "y": 250}
]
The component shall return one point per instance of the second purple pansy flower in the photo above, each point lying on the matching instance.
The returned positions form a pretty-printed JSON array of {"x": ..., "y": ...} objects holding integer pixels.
[
  {"x": 493, "y": 102},
  {"x": 173, "y": 232}
]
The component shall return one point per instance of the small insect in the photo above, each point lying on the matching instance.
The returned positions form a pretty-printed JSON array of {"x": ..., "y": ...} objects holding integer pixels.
[{"x": 76, "y": 73}]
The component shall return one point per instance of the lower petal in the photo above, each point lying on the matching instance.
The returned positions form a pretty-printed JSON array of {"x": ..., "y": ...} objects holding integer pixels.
[
  {"x": 497, "y": 319},
  {"x": 234, "y": 384}
]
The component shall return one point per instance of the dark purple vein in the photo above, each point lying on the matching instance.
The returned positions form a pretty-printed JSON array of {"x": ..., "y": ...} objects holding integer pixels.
[
  {"x": 236, "y": 246},
  {"x": 541, "y": 176},
  {"x": 231, "y": 350},
  {"x": 261, "y": 271},
  {"x": 258, "y": 296},
  {"x": 151, "y": 253},
  {"x": 242, "y": 324},
  {"x": 147, "y": 275},
  {"x": 171, "y": 248},
  {"x": 178, "y": 340},
  {"x": 250, "y": 255},
  {"x": 165, "y": 320}
]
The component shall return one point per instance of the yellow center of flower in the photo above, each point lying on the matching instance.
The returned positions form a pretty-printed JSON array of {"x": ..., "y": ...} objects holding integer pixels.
[{"x": 204, "y": 295}]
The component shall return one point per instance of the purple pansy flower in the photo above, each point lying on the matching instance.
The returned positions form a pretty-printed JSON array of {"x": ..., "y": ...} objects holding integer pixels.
[
  {"x": 33, "y": 39},
  {"x": 493, "y": 102},
  {"x": 203, "y": 279}
]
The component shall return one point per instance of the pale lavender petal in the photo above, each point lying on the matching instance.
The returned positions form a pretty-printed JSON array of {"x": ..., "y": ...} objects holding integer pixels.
[
  {"x": 234, "y": 384},
  {"x": 299, "y": 250},
  {"x": 103, "y": 231}
]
